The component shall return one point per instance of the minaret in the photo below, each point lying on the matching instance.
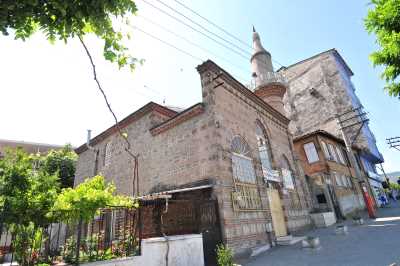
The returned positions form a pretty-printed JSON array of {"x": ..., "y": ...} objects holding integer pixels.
[{"x": 268, "y": 85}]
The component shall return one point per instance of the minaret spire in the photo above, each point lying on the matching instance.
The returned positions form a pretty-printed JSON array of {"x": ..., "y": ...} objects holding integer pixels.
[{"x": 268, "y": 85}]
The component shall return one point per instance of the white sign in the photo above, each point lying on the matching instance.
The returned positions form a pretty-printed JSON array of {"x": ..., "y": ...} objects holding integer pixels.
[
  {"x": 271, "y": 175},
  {"x": 287, "y": 178}
]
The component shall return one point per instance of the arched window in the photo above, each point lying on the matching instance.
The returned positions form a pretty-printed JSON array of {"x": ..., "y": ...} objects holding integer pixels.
[
  {"x": 263, "y": 147},
  {"x": 287, "y": 174},
  {"x": 242, "y": 164}
]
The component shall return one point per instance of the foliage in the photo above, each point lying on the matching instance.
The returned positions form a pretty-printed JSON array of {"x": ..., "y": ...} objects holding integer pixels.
[
  {"x": 62, "y": 163},
  {"x": 394, "y": 186},
  {"x": 84, "y": 201},
  {"x": 384, "y": 22},
  {"x": 26, "y": 193},
  {"x": 224, "y": 256},
  {"x": 63, "y": 20}
]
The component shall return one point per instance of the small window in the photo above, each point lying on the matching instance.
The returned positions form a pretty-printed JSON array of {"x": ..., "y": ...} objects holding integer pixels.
[
  {"x": 107, "y": 154},
  {"x": 287, "y": 178},
  {"x": 332, "y": 152},
  {"x": 346, "y": 157},
  {"x": 326, "y": 151},
  {"x": 321, "y": 199},
  {"x": 344, "y": 181},
  {"x": 337, "y": 179},
  {"x": 340, "y": 155},
  {"x": 311, "y": 152}
]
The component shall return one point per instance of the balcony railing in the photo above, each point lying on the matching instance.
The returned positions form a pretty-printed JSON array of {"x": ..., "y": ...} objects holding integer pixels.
[{"x": 267, "y": 78}]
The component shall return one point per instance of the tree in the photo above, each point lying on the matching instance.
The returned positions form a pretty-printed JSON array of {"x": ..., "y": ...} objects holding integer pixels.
[
  {"x": 26, "y": 196},
  {"x": 61, "y": 163},
  {"x": 384, "y": 21},
  {"x": 63, "y": 20}
]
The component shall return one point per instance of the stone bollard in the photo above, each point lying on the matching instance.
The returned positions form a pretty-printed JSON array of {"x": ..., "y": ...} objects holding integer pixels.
[
  {"x": 341, "y": 230},
  {"x": 358, "y": 221},
  {"x": 311, "y": 242}
]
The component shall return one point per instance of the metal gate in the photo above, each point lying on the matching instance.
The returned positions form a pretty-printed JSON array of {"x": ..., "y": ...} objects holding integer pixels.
[
  {"x": 194, "y": 216},
  {"x": 210, "y": 229}
]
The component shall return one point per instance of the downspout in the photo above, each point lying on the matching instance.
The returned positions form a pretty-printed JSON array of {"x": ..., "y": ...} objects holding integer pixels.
[
  {"x": 163, "y": 233},
  {"x": 96, "y": 151}
]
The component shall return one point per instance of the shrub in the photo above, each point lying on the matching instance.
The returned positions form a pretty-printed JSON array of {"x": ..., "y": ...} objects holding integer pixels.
[{"x": 224, "y": 256}]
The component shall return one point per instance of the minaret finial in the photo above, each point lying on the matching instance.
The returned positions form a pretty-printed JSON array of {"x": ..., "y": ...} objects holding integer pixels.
[{"x": 254, "y": 29}]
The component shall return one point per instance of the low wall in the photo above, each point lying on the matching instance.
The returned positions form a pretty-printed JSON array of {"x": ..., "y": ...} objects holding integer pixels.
[
  {"x": 183, "y": 250},
  {"x": 323, "y": 219},
  {"x": 349, "y": 204}
]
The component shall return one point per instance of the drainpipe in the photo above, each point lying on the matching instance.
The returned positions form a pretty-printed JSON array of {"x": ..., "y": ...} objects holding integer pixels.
[{"x": 96, "y": 151}]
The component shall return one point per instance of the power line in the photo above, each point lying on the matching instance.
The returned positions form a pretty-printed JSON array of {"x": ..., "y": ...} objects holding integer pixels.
[
  {"x": 214, "y": 24},
  {"x": 226, "y": 32},
  {"x": 175, "y": 47},
  {"x": 191, "y": 27},
  {"x": 201, "y": 26},
  {"x": 170, "y": 45},
  {"x": 194, "y": 44},
  {"x": 211, "y": 38}
]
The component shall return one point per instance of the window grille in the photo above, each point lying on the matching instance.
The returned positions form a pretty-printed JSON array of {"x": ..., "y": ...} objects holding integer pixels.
[{"x": 245, "y": 195}]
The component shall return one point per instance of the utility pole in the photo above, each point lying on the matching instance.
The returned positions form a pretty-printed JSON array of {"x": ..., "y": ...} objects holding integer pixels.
[
  {"x": 350, "y": 119},
  {"x": 354, "y": 118},
  {"x": 394, "y": 142}
]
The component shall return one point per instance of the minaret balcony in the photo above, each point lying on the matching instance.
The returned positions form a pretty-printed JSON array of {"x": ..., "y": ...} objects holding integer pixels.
[{"x": 269, "y": 78}]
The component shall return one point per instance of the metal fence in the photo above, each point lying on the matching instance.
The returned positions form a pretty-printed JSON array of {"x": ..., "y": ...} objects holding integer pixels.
[{"x": 113, "y": 233}]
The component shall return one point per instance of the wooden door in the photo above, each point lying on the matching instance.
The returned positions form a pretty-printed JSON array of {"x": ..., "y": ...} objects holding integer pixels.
[{"x": 278, "y": 218}]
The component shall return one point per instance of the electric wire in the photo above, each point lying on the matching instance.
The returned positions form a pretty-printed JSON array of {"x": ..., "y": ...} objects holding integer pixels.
[
  {"x": 214, "y": 24},
  {"x": 202, "y": 27},
  {"x": 195, "y": 44},
  {"x": 177, "y": 48},
  {"x": 198, "y": 31}
]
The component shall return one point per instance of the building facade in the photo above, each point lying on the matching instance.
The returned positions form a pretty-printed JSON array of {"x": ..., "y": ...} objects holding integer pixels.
[
  {"x": 236, "y": 142},
  {"x": 329, "y": 174},
  {"x": 321, "y": 88},
  {"x": 29, "y": 147}
]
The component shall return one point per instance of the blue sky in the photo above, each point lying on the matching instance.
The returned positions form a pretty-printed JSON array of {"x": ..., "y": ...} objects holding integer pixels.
[{"x": 47, "y": 93}]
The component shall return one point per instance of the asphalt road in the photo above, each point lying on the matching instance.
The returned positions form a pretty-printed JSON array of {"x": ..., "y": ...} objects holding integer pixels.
[{"x": 376, "y": 243}]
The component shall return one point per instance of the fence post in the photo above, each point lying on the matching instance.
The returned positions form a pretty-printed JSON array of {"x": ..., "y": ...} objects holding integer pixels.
[{"x": 78, "y": 242}]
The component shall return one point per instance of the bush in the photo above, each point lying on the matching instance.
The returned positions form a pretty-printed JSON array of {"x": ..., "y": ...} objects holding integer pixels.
[{"x": 224, "y": 256}]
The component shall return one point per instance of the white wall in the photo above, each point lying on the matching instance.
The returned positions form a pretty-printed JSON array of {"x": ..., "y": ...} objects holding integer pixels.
[{"x": 183, "y": 250}]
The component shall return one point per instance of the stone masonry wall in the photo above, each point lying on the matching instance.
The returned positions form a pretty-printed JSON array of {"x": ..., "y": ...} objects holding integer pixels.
[
  {"x": 173, "y": 158},
  {"x": 320, "y": 88},
  {"x": 237, "y": 115}
]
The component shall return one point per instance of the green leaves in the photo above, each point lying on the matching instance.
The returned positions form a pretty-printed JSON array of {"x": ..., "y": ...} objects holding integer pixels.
[
  {"x": 83, "y": 201},
  {"x": 26, "y": 194},
  {"x": 61, "y": 163},
  {"x": 384, "y": 22},
  {"x": 63, "y": 20}
]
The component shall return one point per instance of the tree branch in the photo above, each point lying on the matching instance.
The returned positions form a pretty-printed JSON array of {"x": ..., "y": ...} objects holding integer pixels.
[{"x": 124, "y": 137}]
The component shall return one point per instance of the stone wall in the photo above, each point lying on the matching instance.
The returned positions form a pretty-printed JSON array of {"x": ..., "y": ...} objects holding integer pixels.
[
  {"x": 183, "y": 250},
  {"x": 177, "y": 152},
  {"x": 320, "y": 88},
  {"x": 237, "y": 115}
]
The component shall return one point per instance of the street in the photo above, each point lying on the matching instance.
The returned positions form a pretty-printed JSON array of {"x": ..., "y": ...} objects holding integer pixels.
[{"x": 376, "y": 243}]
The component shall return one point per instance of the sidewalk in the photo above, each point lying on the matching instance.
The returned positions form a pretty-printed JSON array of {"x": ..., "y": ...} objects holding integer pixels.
[{"x": 376, "y": 243}]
